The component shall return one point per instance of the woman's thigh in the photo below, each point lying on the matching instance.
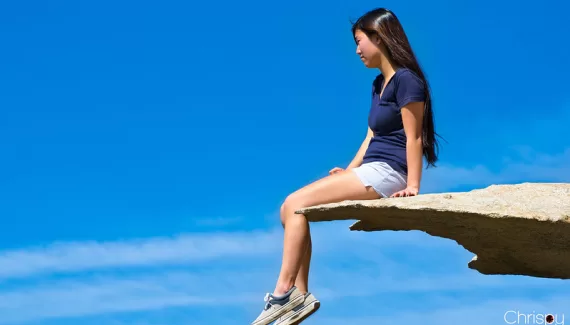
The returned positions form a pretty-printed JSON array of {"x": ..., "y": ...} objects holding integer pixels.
[{"x": 344, "y": 185}]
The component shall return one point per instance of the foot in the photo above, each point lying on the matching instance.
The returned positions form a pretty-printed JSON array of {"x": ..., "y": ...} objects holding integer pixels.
[
  {"x": 277, "y": 306},
  {"x": 301, "y": 312}
]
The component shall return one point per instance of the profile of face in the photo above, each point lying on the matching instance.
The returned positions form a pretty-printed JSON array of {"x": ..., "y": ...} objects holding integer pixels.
[{"x": 368, "y": 49}]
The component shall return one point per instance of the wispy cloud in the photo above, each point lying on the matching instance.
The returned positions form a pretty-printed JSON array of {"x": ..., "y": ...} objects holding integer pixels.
[
  {"x": 349, "y": 265},
  {"x": 82, "y": 298},
  {"x": 78, "y": 279},
  {"x": 98, "y": 295},
  {"x": 94, "y": 295},
  {"x": 496, "y": 311},
  {"x": 65, "y": 257},
  {"x": 523, "y": 165},
  {"x": 78, "y": 256}
]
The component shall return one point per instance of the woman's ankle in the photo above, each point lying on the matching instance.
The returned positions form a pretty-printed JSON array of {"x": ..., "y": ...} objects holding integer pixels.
[{"x": 282, "y": 288}]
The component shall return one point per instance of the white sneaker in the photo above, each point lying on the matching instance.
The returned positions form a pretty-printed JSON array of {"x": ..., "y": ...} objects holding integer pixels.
[
  {"x": 301, "y": 312},
  {"x": 276, "y": 307}
]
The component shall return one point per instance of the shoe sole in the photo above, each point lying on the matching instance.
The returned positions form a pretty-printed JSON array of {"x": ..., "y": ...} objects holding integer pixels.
[
  {"x": 285, "y": 309},
  {"x": 302, "y": 314}
]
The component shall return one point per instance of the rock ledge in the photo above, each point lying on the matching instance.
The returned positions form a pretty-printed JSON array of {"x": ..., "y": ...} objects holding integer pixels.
[{"x": 521, "y": 229}]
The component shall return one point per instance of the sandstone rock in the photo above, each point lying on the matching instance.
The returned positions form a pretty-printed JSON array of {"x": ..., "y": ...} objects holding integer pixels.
[{"x": 521, "y": 229}]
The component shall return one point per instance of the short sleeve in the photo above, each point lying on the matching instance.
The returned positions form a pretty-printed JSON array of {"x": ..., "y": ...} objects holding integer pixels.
[{"x": 409, "y": 88}]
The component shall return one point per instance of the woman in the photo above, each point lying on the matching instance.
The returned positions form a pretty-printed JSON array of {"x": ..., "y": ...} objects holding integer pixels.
[{"x": 388, "y": 164}]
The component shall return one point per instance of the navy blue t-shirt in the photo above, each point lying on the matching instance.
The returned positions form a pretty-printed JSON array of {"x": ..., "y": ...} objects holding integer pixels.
[{"x": 385, "y": 118}]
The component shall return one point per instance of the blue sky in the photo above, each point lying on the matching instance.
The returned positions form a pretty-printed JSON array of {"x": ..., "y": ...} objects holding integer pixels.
[{"x": 147, "y": 147}]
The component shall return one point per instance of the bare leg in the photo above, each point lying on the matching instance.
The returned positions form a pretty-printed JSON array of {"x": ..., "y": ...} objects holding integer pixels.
[
  {"x": 334, "y": 188},
  {"x": 302, "y": 280},
  {"x": 295, "y": 244}
]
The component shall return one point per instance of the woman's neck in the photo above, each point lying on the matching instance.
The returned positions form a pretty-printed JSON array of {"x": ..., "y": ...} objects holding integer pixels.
[{"x": 388, "y": 69}]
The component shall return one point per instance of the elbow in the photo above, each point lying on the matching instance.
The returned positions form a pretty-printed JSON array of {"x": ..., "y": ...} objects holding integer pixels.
[
  {"x": 414, "y": 144},
  {"x": 414, "y": 139}
]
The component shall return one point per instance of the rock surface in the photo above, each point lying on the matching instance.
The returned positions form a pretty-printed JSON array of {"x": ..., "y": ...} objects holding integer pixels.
[{"x": 521, "y": 229}]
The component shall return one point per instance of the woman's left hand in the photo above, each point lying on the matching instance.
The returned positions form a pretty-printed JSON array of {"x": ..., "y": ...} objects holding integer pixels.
[{"x": 409, "y": 191}]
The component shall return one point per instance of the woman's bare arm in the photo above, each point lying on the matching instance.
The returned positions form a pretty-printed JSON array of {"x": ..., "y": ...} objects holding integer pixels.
[{"x": 357, "y": 161}]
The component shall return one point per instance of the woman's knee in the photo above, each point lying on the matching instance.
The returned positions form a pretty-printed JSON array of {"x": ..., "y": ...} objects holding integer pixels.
[
  {"x": 292, "y": 203},
  {"x": 282, "y": 213}
]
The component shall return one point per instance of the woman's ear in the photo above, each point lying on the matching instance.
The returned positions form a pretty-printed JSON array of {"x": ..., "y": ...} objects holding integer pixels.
[{"x": 377, "y": 40}]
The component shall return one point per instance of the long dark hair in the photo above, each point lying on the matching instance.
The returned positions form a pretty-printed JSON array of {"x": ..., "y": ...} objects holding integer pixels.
[{"x": 384, "y": 24}]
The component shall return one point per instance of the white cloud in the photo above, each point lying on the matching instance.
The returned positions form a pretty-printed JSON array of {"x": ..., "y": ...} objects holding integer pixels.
[
  {"x": 497, "y": 311},
  {"x": 78, "y": 256},
  {"x": 66, "y": 257},
  {"x": 96, "y": 295},
  {"x": 346, "y": 265},
  {"x": 81, "y": 298},
  {"x": 524, "y": 165}
]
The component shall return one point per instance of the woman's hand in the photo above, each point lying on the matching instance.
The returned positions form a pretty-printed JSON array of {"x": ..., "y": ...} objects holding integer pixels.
[
  {"x": 335, "y": 170},
  {"x": 408, "y": 191}
]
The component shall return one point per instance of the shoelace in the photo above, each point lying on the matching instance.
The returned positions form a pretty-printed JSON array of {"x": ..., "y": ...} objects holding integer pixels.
[{"x": 267, "y": 299}]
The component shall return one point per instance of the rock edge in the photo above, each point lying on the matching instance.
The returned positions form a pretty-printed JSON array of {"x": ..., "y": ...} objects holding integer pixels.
[{"x": 519, "y": 229}]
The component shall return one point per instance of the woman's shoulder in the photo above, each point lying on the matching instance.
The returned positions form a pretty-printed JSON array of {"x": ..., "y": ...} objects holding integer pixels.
[
  {"x": 408, "y": 86},
  {"x": 406, "y": 74}
]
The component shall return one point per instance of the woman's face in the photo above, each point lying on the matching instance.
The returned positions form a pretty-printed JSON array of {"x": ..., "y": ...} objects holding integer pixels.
[{"x": 367, "y": 49}]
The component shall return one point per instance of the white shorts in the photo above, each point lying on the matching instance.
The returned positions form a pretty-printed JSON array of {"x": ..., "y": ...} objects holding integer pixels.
[{"x": 385, "y": 180}]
